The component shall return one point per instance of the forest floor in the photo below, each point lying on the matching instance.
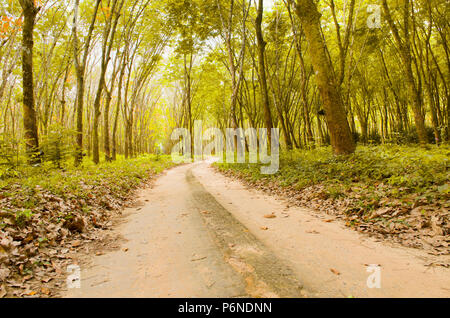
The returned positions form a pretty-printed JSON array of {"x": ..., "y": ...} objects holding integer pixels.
[
  {"x": 395, "y": 193},
  {"x": 197, "y": 233},
  {"x": 46, "y": 214}
]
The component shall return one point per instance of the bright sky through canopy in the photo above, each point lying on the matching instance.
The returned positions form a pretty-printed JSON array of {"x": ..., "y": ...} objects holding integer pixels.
[{"x": 268, "y": 4}]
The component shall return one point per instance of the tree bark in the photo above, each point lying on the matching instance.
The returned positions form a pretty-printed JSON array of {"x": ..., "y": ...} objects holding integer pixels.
[
  {"x": 262, "y": 70},
  {"x": 108, "y": 40},
  {"x": 341, "y": 136},
  {"x": 29, "y": 114},
  {"x": 80, "y": 67},
  {"x": 405, "y": 54}
]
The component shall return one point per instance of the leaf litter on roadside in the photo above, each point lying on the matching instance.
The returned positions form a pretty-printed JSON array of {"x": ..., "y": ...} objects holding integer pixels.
[
  {"x": 390, "y": 193},
  {"x": 43, "y": 222}
]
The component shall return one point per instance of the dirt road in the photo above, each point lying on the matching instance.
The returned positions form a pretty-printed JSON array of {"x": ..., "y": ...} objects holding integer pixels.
[{"x": 199, "y": 234}]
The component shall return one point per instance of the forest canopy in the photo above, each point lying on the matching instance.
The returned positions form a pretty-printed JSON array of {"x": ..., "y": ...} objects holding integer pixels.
[{"x": 98, "y": 78}]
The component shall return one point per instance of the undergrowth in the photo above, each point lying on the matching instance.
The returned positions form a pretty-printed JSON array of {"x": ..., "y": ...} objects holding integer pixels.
[{"x": 405, "y": 170}]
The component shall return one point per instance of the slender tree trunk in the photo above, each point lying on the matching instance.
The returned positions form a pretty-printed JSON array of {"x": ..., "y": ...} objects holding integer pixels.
[
  {"x": 29, "y": 113},
  {"x": 341, "y": 136},
  {"x": 114, "y": 134},
  {"x": 80, "y": 67},
  {"x": 236, "y": 75},
  {"x": 106, "y": 145},
  {"x": 127, "y": 140},
  {"x": 262, "y": 70},
  {"x": 95, "y": 137},
  {"x": 406, "y": 57},
  {"x": 108, "y": 41},
  {"x": 188, "y": 96},
  {"x": 117, "y": 111}
]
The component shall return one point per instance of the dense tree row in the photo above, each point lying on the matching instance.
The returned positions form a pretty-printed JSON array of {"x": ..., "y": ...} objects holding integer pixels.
[
  {"x": 85, "y": 86},
  {"x": 92, "y": 77},
  {"x": 322, "y": 71}
]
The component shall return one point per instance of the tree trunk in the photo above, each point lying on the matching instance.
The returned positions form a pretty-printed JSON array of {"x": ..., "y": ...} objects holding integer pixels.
[
  {"x": 114, "y": 134},
  {"x": 29, "y": 113},
  {"x": 341, "y": 137},
  {"x": 405, "y": 54},
  {"x": 262, "y": 71},
  {"x": 106, "y": 145},
  {"x": 108, "y": 41},
  {"x": 80, "y": 66}
]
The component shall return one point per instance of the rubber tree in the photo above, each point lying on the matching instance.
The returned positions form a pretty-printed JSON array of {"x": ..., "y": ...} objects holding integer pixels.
[
  {"x": 340, "y": 133},
  {"x": 262, "y": 69},
  {"x": 404, "y": 46},
  {"x": 30, "y": 12},
  {"x": 108, "y": 41},
  {"x": 80, "y": 67}
]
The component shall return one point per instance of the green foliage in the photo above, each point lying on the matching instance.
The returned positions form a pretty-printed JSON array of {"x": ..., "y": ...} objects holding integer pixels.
[
  {"x": 9, "y": 151},
  {"x": 23, "y": 216},
  {"x": 115, "y": 178},
  {"x": 10, "y": 157},
  {"x": 404, "y": 170},
  {"x": 57, "y": 145},
  {"x": 411, "y": 137}
]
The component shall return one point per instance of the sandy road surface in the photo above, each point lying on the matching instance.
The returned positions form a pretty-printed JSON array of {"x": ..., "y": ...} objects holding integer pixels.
[{"x": 199, "y": 234}]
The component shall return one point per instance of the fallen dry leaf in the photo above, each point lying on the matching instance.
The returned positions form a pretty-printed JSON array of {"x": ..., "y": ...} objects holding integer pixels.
[
  {"x": 264, "y": 228},
  {"x": 270, "y": 216},
  {"x": 4, "y": 273},
  {"x": 2, "y": 291},
  {"x": 420, "y": 219},
  {"x": 200, "y": 258},
  {"x": 334, "y": 271},
  {"x": 45, "y": 291},
  {"x": 446, "y": 265},
  {"x": 27, "y": 278},
  {"x": 367, "y": 265}
]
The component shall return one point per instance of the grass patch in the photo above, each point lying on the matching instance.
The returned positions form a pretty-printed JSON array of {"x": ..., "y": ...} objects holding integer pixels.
[
  {"x": 71, "y": 182},
  {"x": 45, "y": 212},
  {"x": 405, "y": 170},
  {"x": 401, "y": 191}
]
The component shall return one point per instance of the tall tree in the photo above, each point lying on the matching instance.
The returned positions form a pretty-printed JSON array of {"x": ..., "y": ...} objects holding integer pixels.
[
  {"x": 112, "y": 19},
  {"x": 236, "y": 68},
  {"x": 262, "y": 68},
  {"x": 404, "y": 46},
  {"x": 341, "y": 136},
  {"x": 30, "y": 12},
  {"x": 80, "y": 67}
]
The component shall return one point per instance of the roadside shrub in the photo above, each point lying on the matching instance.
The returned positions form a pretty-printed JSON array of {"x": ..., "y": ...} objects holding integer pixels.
[
  {"x": 374, "y": 138},
  {"x": 410, "y": 169},
  {"x": 10, "y": 156},
  {"x": 411, "y": 137},
  {"x": 57, "y": 146}
]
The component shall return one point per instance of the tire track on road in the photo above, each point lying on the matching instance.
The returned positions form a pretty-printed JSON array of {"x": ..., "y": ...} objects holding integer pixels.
[{"x": 264, "y": 273}]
